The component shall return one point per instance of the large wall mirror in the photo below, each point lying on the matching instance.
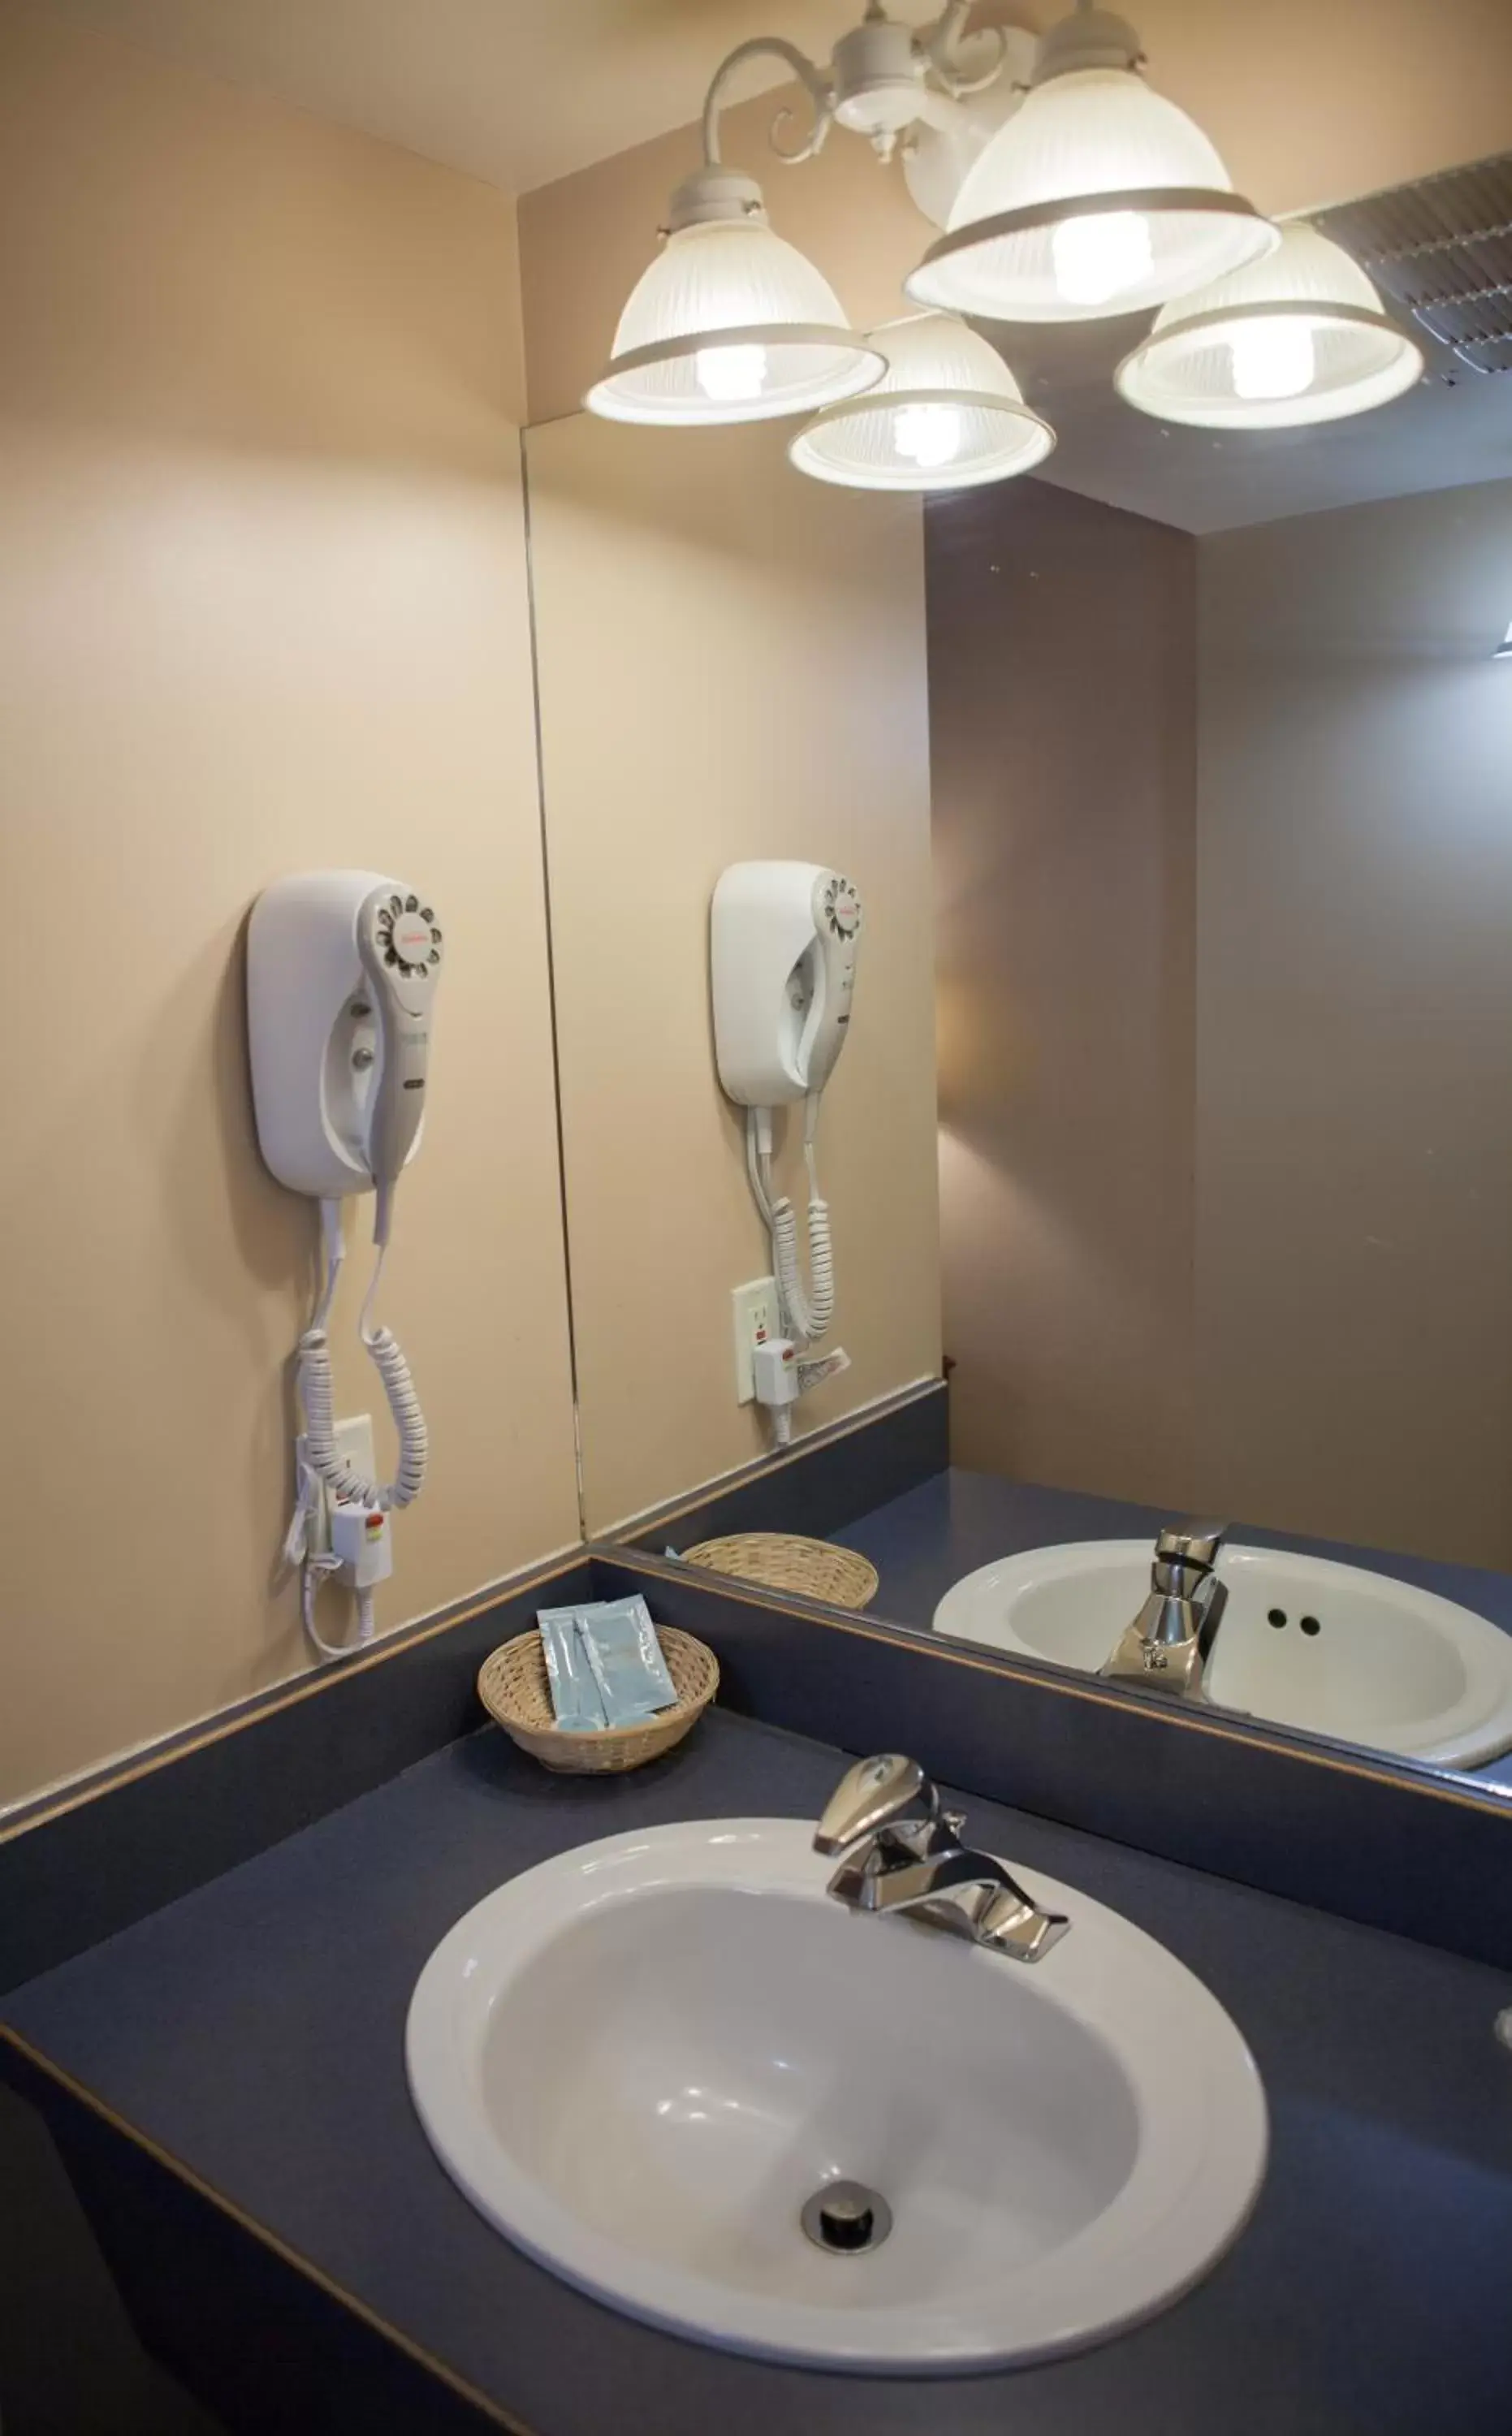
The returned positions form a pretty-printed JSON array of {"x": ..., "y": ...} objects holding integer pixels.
[{"x": 1198, "y": 744}]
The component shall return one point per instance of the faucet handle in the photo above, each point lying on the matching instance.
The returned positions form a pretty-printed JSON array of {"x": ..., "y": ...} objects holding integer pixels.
[
  {"x": 869, "y": 1795},
  {"x": 1191, "y": 1544}
]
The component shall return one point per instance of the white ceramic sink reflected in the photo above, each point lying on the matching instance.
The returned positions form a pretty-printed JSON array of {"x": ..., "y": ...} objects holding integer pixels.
[
  {"x": 640, "y": 2059},
  {"x": 1357, "y": 1655}
]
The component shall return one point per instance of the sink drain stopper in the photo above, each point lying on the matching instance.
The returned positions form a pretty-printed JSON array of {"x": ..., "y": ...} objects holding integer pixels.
[{"x": 846, "y": 2217}]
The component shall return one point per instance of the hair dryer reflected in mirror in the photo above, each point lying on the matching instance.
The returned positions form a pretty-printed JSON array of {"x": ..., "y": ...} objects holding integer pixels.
[{"x": 783, "y": 949}]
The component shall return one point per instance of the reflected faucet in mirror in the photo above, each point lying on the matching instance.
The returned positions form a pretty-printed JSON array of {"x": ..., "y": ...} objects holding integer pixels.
[
  {"x": 1167, "y": 1646},
  {"x": 894, "y": 1862}
]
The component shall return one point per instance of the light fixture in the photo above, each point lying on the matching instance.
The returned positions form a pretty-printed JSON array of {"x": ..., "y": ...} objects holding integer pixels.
[
  {"x": 945, "y": 416},
  {"x": 1300, "y": 338},
  {"x": 732, "y": 324},
  {"x": 1097, "y": 196},
  {"x": 1503, "y": 649}
]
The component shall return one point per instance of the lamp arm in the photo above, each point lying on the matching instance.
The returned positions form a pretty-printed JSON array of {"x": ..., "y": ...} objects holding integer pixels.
[
  {"x": 815, "y": 84},
  {"x": 938, "y": 43}
]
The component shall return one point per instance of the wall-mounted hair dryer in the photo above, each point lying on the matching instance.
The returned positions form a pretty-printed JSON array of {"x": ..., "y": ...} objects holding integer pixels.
[
  {"x": 783, "y": 939},
  {"x": 342, "y": 971},
  {"x": 783, "y": 943}
]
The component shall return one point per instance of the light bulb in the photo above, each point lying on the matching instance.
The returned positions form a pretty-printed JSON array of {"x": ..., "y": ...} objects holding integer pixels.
[
  {"x": 1099, "y": 253},
  {"x": 732, "y": 374},
  {"x": 1273, "y": 358},
  {"x": 928, "y": 435}
]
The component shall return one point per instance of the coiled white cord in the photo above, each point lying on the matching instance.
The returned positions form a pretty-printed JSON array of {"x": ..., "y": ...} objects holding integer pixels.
[
  {"x": 812, "y": 1309},
  {"x": 316, "y": 1392},
  {"x": 807, "y": 1310}
]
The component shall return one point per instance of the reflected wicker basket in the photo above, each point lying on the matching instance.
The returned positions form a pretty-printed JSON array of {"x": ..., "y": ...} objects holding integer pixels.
[
  {"x": 780, "y": 1561},
  {"x": 512, "y": 1686}
]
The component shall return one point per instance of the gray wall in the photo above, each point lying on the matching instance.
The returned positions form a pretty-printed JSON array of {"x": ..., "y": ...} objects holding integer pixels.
[
  {"x": 1062, "y": 687},
  {"x": 1226, "y": 992},
  {"x": 1354, "y": 1023}
]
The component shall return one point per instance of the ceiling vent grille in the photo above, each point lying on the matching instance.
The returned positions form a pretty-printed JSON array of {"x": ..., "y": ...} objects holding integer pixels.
[{"x": 1442, "y": 249}]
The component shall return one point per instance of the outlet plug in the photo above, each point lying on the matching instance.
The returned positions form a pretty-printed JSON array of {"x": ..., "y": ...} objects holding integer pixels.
[
  {"x": 353, "y": 1444},
  {"x": 757, "y": 1320}
]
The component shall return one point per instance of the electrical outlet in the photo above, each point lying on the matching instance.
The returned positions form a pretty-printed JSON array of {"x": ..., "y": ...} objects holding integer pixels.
[
  {"x": 756, "y": 1317},
  {"x": 353, "y": 1444}
]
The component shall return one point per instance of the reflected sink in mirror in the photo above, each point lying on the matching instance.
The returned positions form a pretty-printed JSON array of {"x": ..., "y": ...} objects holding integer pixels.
[
  {"x": 644, "y": 2059},
  {"x": 1332, "y": 1648}
]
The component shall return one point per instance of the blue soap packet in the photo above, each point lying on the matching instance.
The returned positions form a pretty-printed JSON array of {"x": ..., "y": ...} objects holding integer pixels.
[
  {"x": 626, "y": 1658},
  {"x": 575, "y": 1696}
]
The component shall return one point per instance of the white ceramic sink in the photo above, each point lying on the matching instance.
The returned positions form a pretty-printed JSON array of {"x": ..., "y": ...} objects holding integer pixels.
[
  {"x": 1356, "y": 1655},
  {"x": 639, "y": 2060}
]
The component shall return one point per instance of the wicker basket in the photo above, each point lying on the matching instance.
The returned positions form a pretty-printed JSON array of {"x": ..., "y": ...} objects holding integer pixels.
[
  {"x": 812, "y": 1567},
  {"x": 512, "y": 1686}
]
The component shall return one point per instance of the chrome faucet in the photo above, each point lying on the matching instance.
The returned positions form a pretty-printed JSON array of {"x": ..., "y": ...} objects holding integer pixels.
[
  {"x": 1166, "y": 1648},
  {"x": 894, "y": 1861}
]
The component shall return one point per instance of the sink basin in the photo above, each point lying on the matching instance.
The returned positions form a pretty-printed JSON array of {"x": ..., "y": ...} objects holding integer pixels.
[
  {"x": 640, "y": 2059},
  {"x": 1354, "y": 1654}
]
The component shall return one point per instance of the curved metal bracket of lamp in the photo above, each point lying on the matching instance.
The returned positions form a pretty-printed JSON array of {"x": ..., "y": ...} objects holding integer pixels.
[
  {"x": 730, "y": 323},
  {"x": 883, "y": 78},
  {"x": 818, "y": 87}
]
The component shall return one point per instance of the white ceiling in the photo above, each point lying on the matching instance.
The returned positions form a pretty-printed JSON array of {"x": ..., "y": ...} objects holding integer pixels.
[{"x": 515, "y": 91}]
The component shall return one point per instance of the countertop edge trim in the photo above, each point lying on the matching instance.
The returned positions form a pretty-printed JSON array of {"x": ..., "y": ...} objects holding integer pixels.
[{"x": 79, "y": 2095}]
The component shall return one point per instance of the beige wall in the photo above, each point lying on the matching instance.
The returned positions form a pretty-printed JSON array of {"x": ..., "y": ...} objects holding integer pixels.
[
  {"x": 731, "y": 664},
  {"x": 1308, "y": 104},
  {"x": 1062, "y": 699},
  {"x": 261, "y": 607}
]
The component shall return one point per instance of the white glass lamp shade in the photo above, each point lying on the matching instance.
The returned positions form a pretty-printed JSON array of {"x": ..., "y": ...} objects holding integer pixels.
[
  {"x": 945, "y": 416},
  {"x": 730, "y": 323},
  {"x": 1300, "y": 338},
  {"x": 1098, "y": 196}
]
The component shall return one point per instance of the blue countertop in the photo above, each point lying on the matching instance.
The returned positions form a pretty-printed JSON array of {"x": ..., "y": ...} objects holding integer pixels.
[
  {"x": 950, "y": 1524},
  {"x": 254, "y": 2030}
]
